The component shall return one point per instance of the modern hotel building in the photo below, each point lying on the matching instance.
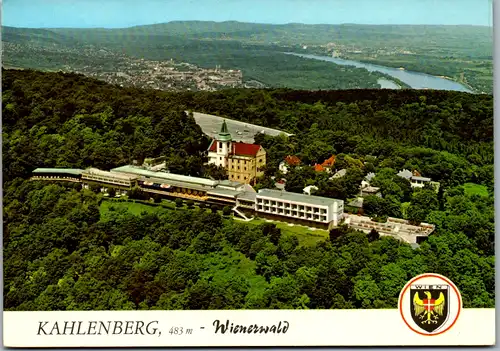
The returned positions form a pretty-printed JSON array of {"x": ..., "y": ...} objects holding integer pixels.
[
  {"x": 309, "y": 210},
  {"x": 299, "y": 206}
]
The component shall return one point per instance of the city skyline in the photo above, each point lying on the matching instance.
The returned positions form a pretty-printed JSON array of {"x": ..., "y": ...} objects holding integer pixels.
[{"x": 127, "y": 13}]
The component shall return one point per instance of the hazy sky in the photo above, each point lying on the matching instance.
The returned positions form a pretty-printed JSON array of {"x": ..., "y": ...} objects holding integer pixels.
[{"x": 125, "y": 13}]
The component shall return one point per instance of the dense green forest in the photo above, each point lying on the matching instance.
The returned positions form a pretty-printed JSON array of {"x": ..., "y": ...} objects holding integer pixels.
[{"x": 62, "y": 251}]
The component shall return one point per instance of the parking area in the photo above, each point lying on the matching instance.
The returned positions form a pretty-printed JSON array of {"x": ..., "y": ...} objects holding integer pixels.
[{"x": 240, "y": 131}]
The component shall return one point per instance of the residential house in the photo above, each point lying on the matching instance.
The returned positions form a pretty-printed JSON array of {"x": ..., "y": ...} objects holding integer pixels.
[
  {"x": 415, "y": 178},
  {"x": 366, "y": 181},
  {"x": 370, "y": 191},
  {"x": 339, "y": 174},
  {"x": 328, "y": 164},
  {"x": 290, "y": 160},
  {"x": 319, "y": 168},
  {"x": 308, "y": 190}
]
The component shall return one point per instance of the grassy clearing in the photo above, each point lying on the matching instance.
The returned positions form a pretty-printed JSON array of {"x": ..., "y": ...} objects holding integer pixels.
[
  {"x": 475, "y": 189},
  {"x": 306, "y": 236},
  {"x": 138, "y": 207},
  {"x": 134, "y": 208}
]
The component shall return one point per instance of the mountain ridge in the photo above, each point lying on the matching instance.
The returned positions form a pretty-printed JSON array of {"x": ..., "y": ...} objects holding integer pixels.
[{"x": 260, "y": 23}]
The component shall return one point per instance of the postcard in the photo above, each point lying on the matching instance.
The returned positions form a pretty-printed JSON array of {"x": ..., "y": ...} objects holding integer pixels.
[{"x": 250, "y": 173}]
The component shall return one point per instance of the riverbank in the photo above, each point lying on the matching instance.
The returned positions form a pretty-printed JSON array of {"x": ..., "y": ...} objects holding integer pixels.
[
  {"x": 388, "y": 84},
  {"x": 414, "y": 80},
  {"x": 398, "y": 66}
]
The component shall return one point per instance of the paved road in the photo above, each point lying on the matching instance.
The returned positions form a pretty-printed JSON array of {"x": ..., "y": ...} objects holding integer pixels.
[{"x": 240, "y": 131}]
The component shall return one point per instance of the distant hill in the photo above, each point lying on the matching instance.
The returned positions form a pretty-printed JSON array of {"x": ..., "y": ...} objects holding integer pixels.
[
  {"x": 460, "y": 52},
  {"x": 286, "y": 34}
]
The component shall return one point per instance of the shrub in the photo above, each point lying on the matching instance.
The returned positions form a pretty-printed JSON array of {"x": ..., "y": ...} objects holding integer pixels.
[{"x": 226, "y": 211}]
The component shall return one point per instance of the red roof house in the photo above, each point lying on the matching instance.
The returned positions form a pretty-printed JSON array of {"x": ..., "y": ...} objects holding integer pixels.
[
  {"x": 244, "y": 149},
  {"x": 319, "y": 168},
  {"x": 238, "y": 149},
  {"x": 292, "y": 160},
  {"x": 329, "y": 162}
]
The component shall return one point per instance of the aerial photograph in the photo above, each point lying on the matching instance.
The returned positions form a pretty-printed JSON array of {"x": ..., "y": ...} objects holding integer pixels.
[{"x": 250, "y": 154}]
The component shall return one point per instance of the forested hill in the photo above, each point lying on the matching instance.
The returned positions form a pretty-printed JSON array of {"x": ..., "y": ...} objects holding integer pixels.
[
  {"x": 284, "y": 34},
  {"x": 437, "y": 119},
  {"x": 48, "y": 114},
  {"x": 67, "y": 249}
]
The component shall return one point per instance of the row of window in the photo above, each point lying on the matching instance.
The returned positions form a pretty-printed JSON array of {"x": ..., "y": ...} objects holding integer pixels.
[
  {"x": 234, "y": 177},
  {"x": 57, "y": 177},
  {"x": 293, "y": 213},
  {"x": 235, "y": 160},
  {"x": 232, "y": 167},
  {"x": 274, "y": 203},
  {"x": 246, "y": 204},
  {"x": 107, "y": 179},
  {"x": 222, "y": 198},
  {"x": 418, "y": 182}
]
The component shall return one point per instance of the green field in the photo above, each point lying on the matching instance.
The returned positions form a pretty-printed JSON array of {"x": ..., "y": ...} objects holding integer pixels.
[
  {"x": 134, "y": 208},
  {"x": 304, "y": 234},
  {"x": 475, "y": 189}
]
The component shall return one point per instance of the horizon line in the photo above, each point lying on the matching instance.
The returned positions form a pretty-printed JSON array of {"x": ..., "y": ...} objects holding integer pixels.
[{"x": 261, "y": 23}]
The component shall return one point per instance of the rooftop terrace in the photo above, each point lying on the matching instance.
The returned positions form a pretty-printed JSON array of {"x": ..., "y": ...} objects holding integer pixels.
[
  {"x": 74, "y": 171},
  {"x": 98, "y": 172},
  {"x": 164, "y": 175},
  {"x": 294, "y": 197}
]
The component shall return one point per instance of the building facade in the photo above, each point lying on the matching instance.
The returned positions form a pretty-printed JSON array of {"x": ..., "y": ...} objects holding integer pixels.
[
  {"x": 242, "y": 161},
  {"x": 415, "y": 178},
  {"x": 94, "y": 175},
  {"x": 290, "y": 160},
  {"x": 307, "y": 208}
]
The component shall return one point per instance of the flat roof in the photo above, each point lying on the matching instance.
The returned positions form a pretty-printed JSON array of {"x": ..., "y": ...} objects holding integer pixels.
[
  {"x": 356, "y": 203},
  {"x": 176, "y": 183},
  {"x": 164, "y": 175},
  {"x": 230, "y": 183},
  {"x": 405, "y": 173},
  {"x": 295, "y": 197},
  {"x": 425, "y": 179},
  {"x": 247, "y": 195},
  {"x": 74, "y": 171},
  {"x": 223, "y": 192},
  {"x": 96, "y": 171},
  {"x": 371, "y": 189},
  {"x": 240, "y": 131}
]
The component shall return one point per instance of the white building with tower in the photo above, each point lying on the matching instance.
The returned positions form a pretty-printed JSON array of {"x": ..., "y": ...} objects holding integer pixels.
[{"x": 242, "y": 161}]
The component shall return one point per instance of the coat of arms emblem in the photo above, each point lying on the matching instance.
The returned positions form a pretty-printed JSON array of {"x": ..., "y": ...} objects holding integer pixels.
[{"x": 429, "y": 306}]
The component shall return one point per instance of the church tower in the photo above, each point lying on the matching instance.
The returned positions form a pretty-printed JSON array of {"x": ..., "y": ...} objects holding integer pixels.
[
  {"x": 243, "y": 162},
  {"x": 223, "y": 141}
]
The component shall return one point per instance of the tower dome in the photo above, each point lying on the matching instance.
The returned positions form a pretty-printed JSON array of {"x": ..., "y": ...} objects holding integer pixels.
[{"x": 224, "y": 134}]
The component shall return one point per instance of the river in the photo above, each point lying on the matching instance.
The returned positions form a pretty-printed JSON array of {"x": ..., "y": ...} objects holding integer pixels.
[{"x": 416, "y": 80}]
